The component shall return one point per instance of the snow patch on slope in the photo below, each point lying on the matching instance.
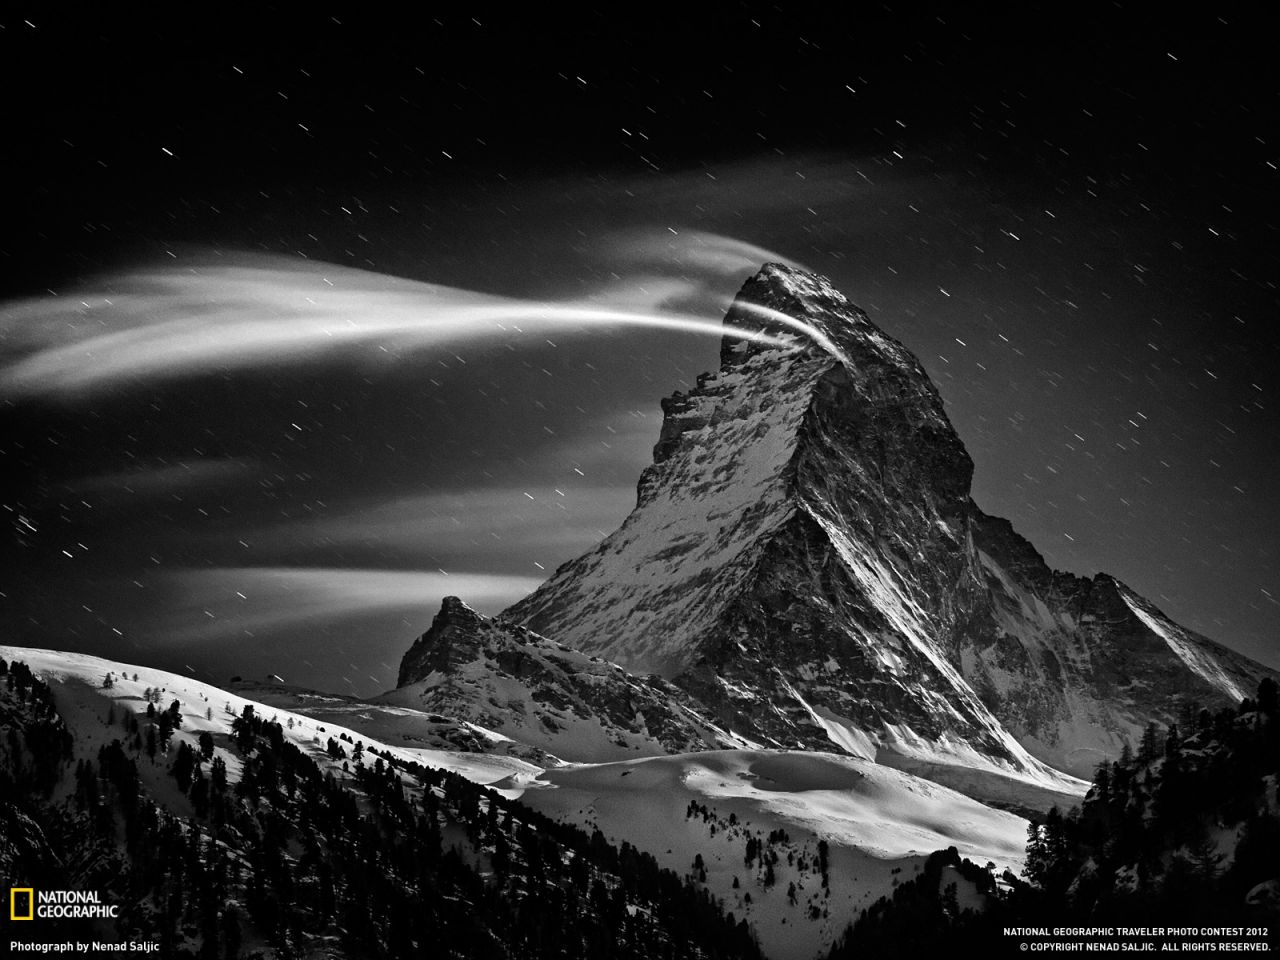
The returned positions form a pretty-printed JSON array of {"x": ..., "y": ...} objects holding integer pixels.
[
  {"x": 1200, "y": 662},
  {"x": 512, "y": 707},
  {"x": 841, "y": 731}
]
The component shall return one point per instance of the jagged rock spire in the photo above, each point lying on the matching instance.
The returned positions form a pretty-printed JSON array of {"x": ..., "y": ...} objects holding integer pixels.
[{"x": 450, "y": 638}]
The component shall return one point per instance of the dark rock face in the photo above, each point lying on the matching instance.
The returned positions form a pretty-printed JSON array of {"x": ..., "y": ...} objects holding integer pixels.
[
  {"x": 509, "y": 680},
  {"x": 806, "y": 562},
  {"x": 452, "y": 641}
]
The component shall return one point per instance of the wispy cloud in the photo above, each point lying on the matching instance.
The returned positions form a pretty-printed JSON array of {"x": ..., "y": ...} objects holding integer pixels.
[
  {"x": 752, "y": 191},
  {"x": 488, "y": 526},
  {"x": 255, "y": 310},
  {"x": 696, "y": 251},
  {"x": 238, "y": 602},
  {"x": 166, "y": 478}
]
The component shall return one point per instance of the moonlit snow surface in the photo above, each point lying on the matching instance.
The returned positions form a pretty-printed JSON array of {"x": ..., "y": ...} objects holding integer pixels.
[{"x": 879, "y": 822}]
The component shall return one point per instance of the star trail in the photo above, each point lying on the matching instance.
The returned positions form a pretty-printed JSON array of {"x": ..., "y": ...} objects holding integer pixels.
[{"x": 247, "y": 423}]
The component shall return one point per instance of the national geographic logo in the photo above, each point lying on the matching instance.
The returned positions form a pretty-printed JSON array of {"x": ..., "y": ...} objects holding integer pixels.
[
  {"x": 25, "y": 903},
  {"x": 22, "y": 903}
]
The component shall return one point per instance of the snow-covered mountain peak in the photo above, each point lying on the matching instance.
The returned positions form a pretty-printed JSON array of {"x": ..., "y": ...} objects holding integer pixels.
[
  {"x": 791, "y": 303},
  {"x": 806, "y": 561},
  {"x": 775, "y": 301},
  {"x": 774, "y": 435}
]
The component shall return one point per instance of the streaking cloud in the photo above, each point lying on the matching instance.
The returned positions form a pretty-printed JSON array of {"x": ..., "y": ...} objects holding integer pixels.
[
  {"x": 239, "y": 602},
  {"x": 486, "y": 526},
  {"x": 255, "y": 311},
  {"x": 164, "y": 479},
  {"x": 694, "y": 250}
]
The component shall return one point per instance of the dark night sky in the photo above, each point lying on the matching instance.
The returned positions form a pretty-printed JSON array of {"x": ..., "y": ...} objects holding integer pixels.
[{"x": 261, "y": 404}]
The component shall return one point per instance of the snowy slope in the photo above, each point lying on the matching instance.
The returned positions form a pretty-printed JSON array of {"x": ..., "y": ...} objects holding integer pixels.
[
  {"x": 396, "y": 725},
  {"x": 1211, "y": 662},
  {"x": 879, "y": 823},
  {"x": 78, "y": 677},
  {"x": 295, "y": 864},
  {"x": 705, "y": 513}
]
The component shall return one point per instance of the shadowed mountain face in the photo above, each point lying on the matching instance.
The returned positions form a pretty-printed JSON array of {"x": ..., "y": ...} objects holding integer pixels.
[{"x": 805, "y": 564}]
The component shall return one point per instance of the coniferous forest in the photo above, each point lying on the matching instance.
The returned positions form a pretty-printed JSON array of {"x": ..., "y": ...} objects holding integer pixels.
[
  {"x": 390, "y": 860},
  {"x": 1184, "y": 831}
]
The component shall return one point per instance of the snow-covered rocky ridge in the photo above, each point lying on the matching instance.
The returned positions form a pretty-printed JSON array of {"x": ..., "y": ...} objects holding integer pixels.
[
  {"x": 806, "y": 561},
  {"x": 518, "y": 685}
]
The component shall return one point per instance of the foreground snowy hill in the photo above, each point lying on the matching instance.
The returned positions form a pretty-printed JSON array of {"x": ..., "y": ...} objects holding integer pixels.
[
  {"x": 842, "y": 830},
  {"x": 78, "y": 679},
  {"x": 253, "y": 842},
  {"x": 878, "y": 825}
]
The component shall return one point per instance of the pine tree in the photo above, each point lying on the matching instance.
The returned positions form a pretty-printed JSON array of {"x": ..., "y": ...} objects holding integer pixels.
[
  {"x": 1205, "y": 858},
  {"x": 164, "y": 730},
  {"x": 183, "y": 766},
  {"x": 1269, "y": 697},
  {"x": 950, "y": 901},
  {"x": 200, "y": 794},
  {"x": 1149, "y": 747},
  {"x": 231, "y": 933},
  {"x": 218, "y": 775},
  {"x": 1102, "y": 781}
]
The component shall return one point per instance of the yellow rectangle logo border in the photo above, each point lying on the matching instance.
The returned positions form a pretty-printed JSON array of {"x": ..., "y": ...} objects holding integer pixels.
[{"x": 13, "y": 903}]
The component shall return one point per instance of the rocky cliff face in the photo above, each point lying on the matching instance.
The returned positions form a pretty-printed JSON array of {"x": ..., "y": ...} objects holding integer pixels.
[
  {"x": 574, "y": 707},
  {"x": 1075, "y": 667},
  {"x": 805, "y": 561}
]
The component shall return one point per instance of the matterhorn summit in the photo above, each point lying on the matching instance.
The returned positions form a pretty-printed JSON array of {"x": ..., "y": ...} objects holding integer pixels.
[{"x": 805, "y": 561}]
